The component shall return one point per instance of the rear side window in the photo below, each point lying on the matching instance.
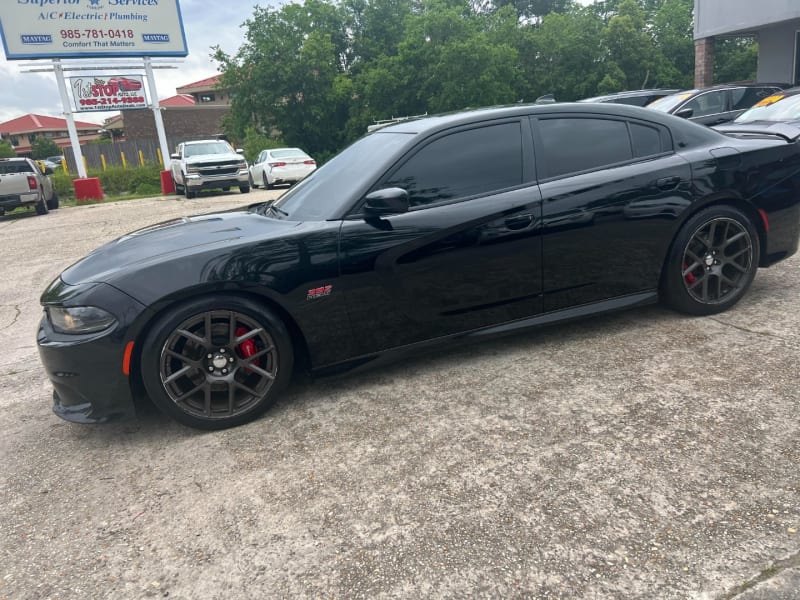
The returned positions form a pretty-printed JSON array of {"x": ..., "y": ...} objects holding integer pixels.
[
  {"x": 570, "y": 145},
  {"x": 708, "y": 103},
  {"x": 462, "y": 164},
  {"x": 746, "y": 97},
  {"x": 646, "y": 140}
]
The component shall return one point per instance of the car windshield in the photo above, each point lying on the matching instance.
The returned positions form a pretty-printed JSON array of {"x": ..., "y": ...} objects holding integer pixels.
[
  {"x": 773, "y": 108},
  {"x": 336, "y": 184},
  {"x": 207, "y": 148},
  {"x": 668, "y": 103}
]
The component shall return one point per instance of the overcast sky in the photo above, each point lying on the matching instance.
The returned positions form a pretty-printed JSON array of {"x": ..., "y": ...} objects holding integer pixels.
[{"x": 207, "y": 23}]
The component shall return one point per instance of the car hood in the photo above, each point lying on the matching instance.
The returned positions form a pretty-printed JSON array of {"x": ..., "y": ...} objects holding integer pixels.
[
  {"x": 175, "y": 238},
  {"x": 789, "y": 130}
]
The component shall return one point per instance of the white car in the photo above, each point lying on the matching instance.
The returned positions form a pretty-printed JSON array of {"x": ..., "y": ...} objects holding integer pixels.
[
  {"x": 280, "y": 165},
  {"x": 208, "y": 164}
]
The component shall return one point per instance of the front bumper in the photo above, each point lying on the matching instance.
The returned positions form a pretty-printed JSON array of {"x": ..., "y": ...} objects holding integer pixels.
[
  {"x": 86, "y": 371},
  {"x": 202, "y": 182}
]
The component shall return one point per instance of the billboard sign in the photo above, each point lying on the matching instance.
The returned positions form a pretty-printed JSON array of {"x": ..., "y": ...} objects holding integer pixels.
[
  {"x": 91, "y": 28},
  {"x": 97, "y": 93}
]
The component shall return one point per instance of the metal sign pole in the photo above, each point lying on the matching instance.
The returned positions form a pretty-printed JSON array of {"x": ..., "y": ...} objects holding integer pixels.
[
  {"x": 73, "y": 131},
  {"x": 162, "y": 136}
]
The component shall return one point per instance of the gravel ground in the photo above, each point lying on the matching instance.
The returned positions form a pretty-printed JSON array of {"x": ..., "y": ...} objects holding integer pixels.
[{"x": 639, "y": 455}]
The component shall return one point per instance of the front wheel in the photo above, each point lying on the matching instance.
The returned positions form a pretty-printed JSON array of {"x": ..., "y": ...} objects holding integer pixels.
[
  {"x": 244, "y": 189},
  {"x": 216, "y": 362},
  {"x": 712, "y": 262}
]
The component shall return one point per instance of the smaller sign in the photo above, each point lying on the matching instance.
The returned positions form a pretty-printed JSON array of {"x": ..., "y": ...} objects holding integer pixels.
[{"x": 116, "y": 92}]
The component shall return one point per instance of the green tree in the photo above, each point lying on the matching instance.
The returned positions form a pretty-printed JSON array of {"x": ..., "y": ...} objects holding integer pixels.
[
  {"x": 6, "y": 149},
  {"x": 673, "y": 32},
  {"x": 735, "y": 59},
  {"x": 43, "y": 147}
]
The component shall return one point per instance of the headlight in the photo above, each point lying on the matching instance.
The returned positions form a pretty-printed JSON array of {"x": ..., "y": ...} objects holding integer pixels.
[{"x": 79, "y": 319}]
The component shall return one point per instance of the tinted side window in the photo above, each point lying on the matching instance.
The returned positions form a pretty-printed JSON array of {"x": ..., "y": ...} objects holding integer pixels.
[
  {"x": 646, "y": 140},
  {"x": 745, "y": 97},
  {"x": 570, "y": 145},
  {"x": 463, "y": 164}
]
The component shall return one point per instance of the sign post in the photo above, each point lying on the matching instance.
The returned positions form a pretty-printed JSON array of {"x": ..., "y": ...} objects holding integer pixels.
[
  {"x": 73, "y": 131},
  {"x": 162, "y": 135}
]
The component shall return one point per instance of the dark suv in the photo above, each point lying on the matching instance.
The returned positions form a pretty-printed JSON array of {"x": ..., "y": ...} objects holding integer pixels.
[
  {"x": 632, "y": 97},
  {"x": 715, "y": 105}
]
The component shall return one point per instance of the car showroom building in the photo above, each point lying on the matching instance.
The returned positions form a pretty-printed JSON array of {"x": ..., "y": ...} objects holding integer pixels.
[{"x": 775, "y": 23}]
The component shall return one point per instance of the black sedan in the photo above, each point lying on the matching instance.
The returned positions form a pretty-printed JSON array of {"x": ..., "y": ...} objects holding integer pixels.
[{"x": 459, "y": 226}]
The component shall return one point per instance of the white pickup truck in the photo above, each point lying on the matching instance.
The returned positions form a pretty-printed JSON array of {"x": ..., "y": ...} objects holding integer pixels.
[
  {"x": 24, "y": 183},
  {"x": 208, "y": 164}
]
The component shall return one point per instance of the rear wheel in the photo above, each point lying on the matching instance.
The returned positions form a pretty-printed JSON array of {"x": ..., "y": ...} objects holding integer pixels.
[
  {"x": 52, "y": 204},
  {"x": 41, "y": 207},
  {"x": 267, "y": 184},
  {"x": 712, "y": 262},
  {"x": 216, "y": 362}
]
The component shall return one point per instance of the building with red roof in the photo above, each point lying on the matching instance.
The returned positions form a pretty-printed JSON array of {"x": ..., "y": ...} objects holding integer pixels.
[
  {"x": 22, "y": 131},
  {"x": 207, "y": 91}
]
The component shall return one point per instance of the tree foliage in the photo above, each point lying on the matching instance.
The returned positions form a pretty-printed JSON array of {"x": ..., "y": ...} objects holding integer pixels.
[
  {"x": 6, "y": 149},
  {"x": 317, "y": 74},
  {"x": 43, "y": 147}
]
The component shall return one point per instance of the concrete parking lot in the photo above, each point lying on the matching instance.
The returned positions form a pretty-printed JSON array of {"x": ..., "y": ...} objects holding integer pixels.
[{"x": 638, "y": 455}]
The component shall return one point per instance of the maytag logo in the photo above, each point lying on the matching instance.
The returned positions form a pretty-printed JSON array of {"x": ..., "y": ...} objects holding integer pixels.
[
  {"x": 37, "y": 39},
  {"x": 156, "y": 38}
]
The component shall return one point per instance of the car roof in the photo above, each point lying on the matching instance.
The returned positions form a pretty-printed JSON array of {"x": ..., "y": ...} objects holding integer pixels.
[
  {"x": 631, "y": 93},
  {"x": 444, "y": 121}
]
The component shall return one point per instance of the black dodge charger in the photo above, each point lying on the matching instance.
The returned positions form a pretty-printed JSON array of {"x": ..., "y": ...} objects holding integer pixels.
[{"x": 456, "y": 226}]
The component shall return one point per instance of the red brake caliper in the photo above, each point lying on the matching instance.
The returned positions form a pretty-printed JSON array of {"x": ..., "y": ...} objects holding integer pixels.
[
  {"x": 690, "y": 278},
  {"x": 248, "y": 347}
]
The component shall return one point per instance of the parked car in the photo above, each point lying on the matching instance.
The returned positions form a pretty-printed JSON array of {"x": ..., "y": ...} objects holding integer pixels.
[
  {"x": 126, "y": 84},
  {"x": 714, "y": 105},
  {"x": 769, "y": 115},
  {"x": 25, "y": 183},
  {"x": 207, "y": 164},
  {"x": 422, "y": 233},
  {"x": 281, "y": 165},
  {"x": 57, "y": 160},
  {"x": 632, "y": 97}
]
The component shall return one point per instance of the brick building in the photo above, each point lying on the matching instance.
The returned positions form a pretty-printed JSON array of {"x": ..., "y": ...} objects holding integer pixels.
[
  {"x": 775, "y": 23},
  {"x": 22, "y": 131}
]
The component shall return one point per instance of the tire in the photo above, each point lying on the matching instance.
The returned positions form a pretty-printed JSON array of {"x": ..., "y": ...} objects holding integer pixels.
[
  {"x": 179, "y": 189},
  {"x": 189, "y": 193},
  {"x": 267, "y": 184},
  {"x": 185, "y": 371},
  {"x": 712, "y": 262},
  {"x": 52, "y": 204},
  {"x": 41, "y": 207},
  {"x": 244, "y": 189}
]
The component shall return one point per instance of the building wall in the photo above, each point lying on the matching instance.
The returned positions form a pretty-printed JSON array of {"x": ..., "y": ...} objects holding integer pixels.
[
  {"x": 717, "y": 17},
  {"x": 180, "y": 124},
  {"x": 776, "y": 52}
]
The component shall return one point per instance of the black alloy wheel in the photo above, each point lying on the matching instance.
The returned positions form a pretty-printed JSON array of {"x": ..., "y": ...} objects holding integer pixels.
[
  {"x": 216, "y": 363},
  {"x": 713, "y": 261}
]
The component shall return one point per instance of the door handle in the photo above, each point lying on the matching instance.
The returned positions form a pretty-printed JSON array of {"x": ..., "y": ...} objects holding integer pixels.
[
  {"x": 668, "y": 183},
  {"x": 519, "y": 222}
]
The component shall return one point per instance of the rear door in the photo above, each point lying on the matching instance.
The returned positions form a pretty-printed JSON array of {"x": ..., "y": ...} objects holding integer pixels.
[
  {"x": 468, "y": 252},
  {"x": 612, "y": 189}
]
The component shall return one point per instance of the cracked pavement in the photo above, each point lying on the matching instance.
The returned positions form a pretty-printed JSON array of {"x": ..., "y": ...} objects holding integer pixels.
[{"x": 638, "y": 455}]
